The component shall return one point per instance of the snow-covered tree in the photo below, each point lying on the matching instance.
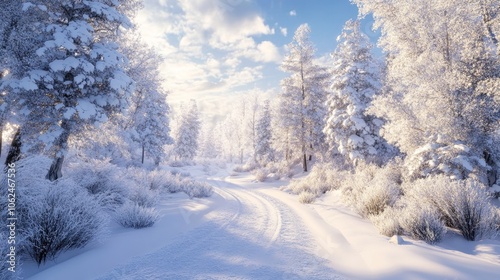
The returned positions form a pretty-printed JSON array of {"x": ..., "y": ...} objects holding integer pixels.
[
  {"x": 146, "y": 119},
  {"x": 210, "y": 141},
  {"x": 442, "y": 79},
  {"x": 19, "y": 40},
  {"x": 263, "y": 150},
  {"x": 349, "y": 130},
  {"x": 186, "y": 140},
  {"x": 303, "y": 96},
  {"x": 78, "y": 76},
  {"x": 252, "y": 124}
]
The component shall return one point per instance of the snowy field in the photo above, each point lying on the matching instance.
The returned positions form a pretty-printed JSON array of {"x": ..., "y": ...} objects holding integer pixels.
[{"x": 251, "y": 230}]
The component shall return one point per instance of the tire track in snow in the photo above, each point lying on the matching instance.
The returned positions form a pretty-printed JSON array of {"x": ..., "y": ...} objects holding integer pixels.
[
  {"x": 274, "y": 225},
  {"x": 252, "y": 238}
]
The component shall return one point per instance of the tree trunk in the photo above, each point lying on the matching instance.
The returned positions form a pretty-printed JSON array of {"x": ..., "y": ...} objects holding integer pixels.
[
  {"x": 1, "y": 140},
  {"x": 304, "y": 164},
  {"x": 15, "y": 148},
  {"x": 55, "y": 171},
  {"x": 491, "y": 175},
  {"x": 142, "y": 158}
]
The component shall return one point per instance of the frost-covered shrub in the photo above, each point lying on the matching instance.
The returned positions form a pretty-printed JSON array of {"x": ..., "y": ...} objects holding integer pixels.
[
  {"x": 157, "y": 179},
  {"x": 281, "y": 169},
  {"x": 196, "y": 189},
  {"x": 306, "y": 197},
  {"x": 375, "y": 198},
  {"x": 371, "y": 189},
  {"x": 387, "y": 222},
  {"x": 106, "y": 182},
  {"x": 238, "y": 168},
  {"x": 180, "y": 163},
  {"x": 132, "y": 215},
  {"x": 144, "y": 197},
  {"x": 166, "y": 181},
  {"x": 322, "y": 178},
  {"x": 462, "y": 204},
  {"x": 260, "y": 174},
  {"x": 62, "y": 218},
  {"x": 455, "y": 160},
  {"x": 422, "y": 223}
]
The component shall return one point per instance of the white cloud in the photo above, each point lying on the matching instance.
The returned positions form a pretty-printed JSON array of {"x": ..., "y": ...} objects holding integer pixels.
[
  {"x": 293, "y": 13},
  {"x": 207, "y": 44},
  {"x": 268, "y": 52},
  {"x": 223, "y": 22},
  {"x": 284, "y": 31}
]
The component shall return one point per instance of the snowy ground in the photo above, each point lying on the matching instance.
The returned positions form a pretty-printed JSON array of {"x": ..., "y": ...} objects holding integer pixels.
[{"x": 250, "y": 230}]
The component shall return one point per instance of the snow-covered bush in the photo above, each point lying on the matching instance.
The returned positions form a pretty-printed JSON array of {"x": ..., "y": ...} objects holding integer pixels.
[
  {"x": 166, "y": 181},
  {"x": 249, "y": 165},
  {"x": 133, "y": 215},
  {"x": 281, "y": 169},
  {"x": 387, "y": 222},
  {"x": 422, "y": 223},
  {"x": 260, "y": 174},
  {"x": 371, "y": 189},
  {"x": 196, "y": 189},
  {"x": 62, "y": 218},
  {"x": 306, "y": 197},
  {"x": 462, "y": 204},
  {"x": 144, "y": 197},
  {"x": 160, "y": 179},
  {"x": 106, "y": 182},
  {"x": 375, "y": 198},
  {"x": 455, "y": 160},
  {"x": 322, "y": 178}
]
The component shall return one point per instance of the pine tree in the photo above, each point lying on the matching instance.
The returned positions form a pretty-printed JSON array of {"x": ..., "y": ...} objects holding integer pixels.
[
  {"x": 186, "y": 140},
  {"x": 264, "y": 152},
  {"x": 18, "y": 44},
  {"x": 78, "y": 76},
  {"x": 350, "y": 130},
  {"x": 303, "y": 96}
]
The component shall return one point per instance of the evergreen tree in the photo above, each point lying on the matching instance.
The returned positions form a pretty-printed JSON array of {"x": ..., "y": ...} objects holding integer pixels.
[
  {"x": 264, "y": 152},
  {"x": 186, "y": 140},
  {"x": 77, "y": 76},
  {"x": 303, "y": 96},
  {"x": 350, "y": 130}
]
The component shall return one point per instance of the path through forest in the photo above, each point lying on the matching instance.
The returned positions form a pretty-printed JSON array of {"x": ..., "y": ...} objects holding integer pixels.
[{"x": 251, "y": 236}]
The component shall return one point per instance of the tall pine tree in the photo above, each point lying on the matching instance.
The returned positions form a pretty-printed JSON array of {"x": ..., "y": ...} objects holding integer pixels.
[
  {"x": 350, "y": 131},
  {"x": 186, "y": 140},
  {"x": 303, "y": 96}
]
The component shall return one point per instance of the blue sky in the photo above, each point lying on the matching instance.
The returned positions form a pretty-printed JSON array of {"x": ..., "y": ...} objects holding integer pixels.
[{"x": 218, "y": 50}]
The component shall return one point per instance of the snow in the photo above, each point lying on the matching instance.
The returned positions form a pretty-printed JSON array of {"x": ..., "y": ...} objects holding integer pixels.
[
  {"x": 462, "y": 160},
  {"x": 251, "y": 230},
  {"x": 27, "y": 84},
  {"x": 86, "y": 109},
  {"x": 66, "y": 65},
  {"x": 355, "y": 140},
  {"x": 396, "y": 239}
]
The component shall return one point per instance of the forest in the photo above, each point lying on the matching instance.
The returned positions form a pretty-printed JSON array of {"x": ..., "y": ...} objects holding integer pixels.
[{"x": 409, "y": 136}]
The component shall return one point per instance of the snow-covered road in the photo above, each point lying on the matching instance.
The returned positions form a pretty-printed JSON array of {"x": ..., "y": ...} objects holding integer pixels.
[
  {"x": 251, "y": 230},
  {"x": 251, "y": 236}
]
